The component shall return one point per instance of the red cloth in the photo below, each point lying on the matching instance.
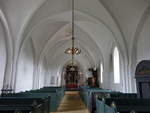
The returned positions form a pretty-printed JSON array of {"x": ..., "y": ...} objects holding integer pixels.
[{"x": 71, "y": 86}]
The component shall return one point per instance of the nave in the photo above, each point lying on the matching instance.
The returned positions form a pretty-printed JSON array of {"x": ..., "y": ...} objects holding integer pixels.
[{"x": 99, "y": 47}]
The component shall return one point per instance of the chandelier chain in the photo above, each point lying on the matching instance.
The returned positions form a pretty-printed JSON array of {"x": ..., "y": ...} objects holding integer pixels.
[
  {"x": 73, "y": 50},
  {"x": 73, "y": 31}
]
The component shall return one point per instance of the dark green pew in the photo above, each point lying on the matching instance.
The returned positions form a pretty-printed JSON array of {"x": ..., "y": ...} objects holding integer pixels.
[
  {"x": 87, "y": 96},
  {"x": 116, "y": 95},
  {"x": 56, "y": 94},
  {"x": 29, "y": 95},
  {"x": 132, "y": 104},
  {"x": 101, "y": 107},
  {"x": 95, "y": 95},
  {"x": 24, "y": 105},
  {"x": 90, "y": 94},
  {"x": 123, "y": 95}
]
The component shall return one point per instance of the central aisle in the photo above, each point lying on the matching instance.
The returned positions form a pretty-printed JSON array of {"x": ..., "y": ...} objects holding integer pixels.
[{"x": 72, "y": 103}]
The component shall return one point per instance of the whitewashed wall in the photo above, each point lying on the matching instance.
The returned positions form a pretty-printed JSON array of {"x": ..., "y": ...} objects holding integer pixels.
[
  {"x": 143, "y": 46},
  {"x": 24, "y": 78},
  {"x": 2, "y": 55}
]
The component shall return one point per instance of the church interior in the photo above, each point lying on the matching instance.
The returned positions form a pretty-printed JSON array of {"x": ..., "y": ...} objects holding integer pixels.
[{"x": 74, "y": 56}]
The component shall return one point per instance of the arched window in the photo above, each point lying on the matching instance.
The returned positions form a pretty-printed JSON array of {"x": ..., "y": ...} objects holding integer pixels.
[
  {"x": 116, "y": 65},
  {"x": 101, "y": 72}
]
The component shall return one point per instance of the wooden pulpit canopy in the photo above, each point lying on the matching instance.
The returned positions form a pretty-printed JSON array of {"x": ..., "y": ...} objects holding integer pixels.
[{"x": 143, "y": 68}]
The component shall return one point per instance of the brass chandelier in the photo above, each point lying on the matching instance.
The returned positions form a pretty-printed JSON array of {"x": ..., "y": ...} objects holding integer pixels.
[{"x": 73, "y": 50}]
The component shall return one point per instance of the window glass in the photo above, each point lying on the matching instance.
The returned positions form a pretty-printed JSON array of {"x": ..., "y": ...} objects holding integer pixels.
[
  {"x": 101, "y": 66},
  {"x": 116, "y": 65}
]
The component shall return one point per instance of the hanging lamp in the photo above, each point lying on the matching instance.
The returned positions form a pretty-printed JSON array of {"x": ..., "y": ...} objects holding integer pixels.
[{"x": 73, "y": 50}]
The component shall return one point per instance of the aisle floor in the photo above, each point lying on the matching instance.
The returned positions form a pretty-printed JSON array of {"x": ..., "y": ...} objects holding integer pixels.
[{"x": 72, "y": 103}]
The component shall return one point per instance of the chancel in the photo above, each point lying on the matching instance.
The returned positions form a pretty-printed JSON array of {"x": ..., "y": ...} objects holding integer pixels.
[{"x": 74, "y": 56}]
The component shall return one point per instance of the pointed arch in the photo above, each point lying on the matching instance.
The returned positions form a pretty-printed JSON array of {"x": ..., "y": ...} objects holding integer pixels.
[{"x": 9, "y": 50}]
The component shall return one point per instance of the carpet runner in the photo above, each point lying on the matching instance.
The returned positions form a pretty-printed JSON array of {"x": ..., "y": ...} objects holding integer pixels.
[{"x": 72, "y": 103}]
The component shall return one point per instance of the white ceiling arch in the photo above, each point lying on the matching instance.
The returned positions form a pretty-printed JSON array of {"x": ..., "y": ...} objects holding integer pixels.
[
  {"x": 9, "y": 49},
  {"x": 84, "y": 21},
  {"x": 54, "y": 38},
  {"x": 53, "y": 41},
  {"x": 40, "y": 25},
  {"x": 40, "y": 20},
  {"x": 56, "y": 14},
  {"x": 136, "y": 37}
]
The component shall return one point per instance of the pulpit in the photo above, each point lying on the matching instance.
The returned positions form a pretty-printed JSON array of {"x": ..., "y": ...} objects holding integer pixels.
[
  {"x": 93, "y": 81},
  {"x": 142, "y": 75}
]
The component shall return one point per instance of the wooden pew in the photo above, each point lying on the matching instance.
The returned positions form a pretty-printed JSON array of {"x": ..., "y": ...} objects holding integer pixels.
[
  {"x": 30, "y": 96},
  {"x": 24, "y": 105},
  {"x": 56, "y": 94},
  {"x": 92, "y": 93},
  {"x": 88, "y": 98},
  {"x": 138, "y": 105},
  {"x": 95, "y": 95},
  {"x": 123, "y": 95},
  {"x": 101, "y": 107}
]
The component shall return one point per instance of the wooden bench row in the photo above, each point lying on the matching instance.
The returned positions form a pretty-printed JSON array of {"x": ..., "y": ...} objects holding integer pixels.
[
  {"x": 123, "y": 105},
  {"x": 43, "y": 100},
  {"x": 24, "y": 105},
  {"x": 89, "y": 96}
]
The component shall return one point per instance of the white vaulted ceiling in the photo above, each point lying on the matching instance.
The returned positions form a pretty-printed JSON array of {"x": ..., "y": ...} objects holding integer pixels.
[
  {"x": 91, "y": 25},
  {"x": 99, "y": 24}
]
